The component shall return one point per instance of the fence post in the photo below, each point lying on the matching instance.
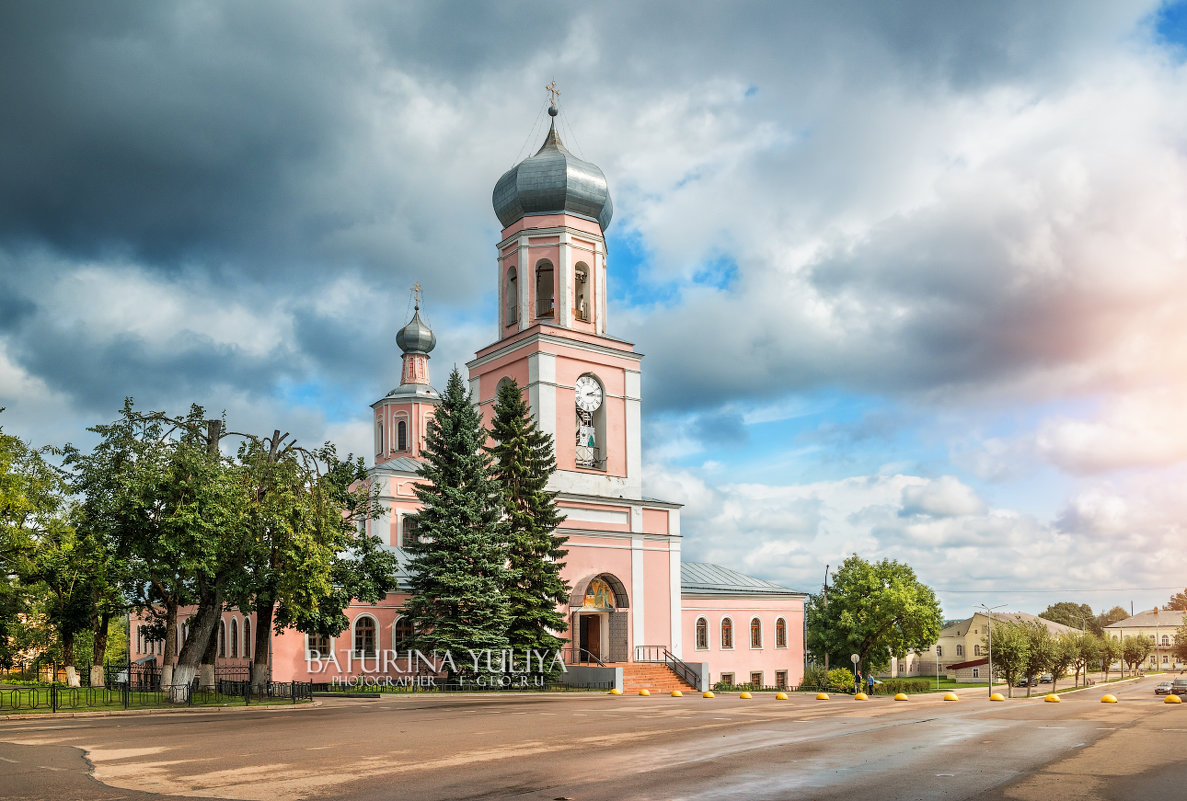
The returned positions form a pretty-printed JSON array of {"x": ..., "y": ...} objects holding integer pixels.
[{"x": 53, "y": 697}]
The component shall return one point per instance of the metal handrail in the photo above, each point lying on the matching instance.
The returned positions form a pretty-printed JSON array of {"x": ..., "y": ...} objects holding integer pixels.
[
  {"x": 660, "y": 653},
  {"x": 581, "y": 656}
]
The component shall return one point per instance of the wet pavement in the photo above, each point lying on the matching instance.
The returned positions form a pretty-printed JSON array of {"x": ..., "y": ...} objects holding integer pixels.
[{"x": 604, "y": 747}]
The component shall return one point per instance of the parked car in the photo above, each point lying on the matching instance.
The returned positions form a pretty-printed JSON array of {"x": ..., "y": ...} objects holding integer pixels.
[
  {"x": 1163, "y": 688},
  {"x": 1046, "y": 678},
  {"x": 1031, "y": 682},
  {"x": 1179, "y": 686}
]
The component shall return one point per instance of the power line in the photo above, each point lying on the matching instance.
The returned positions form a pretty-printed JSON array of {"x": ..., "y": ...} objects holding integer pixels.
[{"x": 1057, "y": 589}]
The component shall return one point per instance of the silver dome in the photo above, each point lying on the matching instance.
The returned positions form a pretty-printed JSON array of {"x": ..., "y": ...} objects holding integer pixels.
[
  {"x": 552, "y": 181},
  {"x": 416, "y": 337}
]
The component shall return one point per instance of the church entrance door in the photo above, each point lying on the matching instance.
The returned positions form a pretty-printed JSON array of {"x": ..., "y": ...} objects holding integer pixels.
[{"x": 591, "y": 635}]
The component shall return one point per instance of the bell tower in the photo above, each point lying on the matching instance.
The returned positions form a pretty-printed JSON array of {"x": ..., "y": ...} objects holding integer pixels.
[
  {"x": 402, "y": 415},
  {"x": 551, "y": 331}
]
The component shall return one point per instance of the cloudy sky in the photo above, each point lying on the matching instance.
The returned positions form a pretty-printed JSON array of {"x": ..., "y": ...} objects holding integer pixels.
[{"x": 909, "y": 277}]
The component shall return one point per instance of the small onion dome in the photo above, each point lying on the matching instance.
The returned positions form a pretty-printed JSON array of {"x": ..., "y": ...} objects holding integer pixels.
[
  {"x": 553, "y": 181},
  {"x": 416, "y": 337}
]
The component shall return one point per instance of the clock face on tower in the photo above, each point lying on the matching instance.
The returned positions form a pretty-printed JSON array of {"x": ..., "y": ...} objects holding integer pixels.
[{"x": 589, "y": 393}]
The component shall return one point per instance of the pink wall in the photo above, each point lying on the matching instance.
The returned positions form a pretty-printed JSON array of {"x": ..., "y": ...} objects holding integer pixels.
[{"x": 742, "y": 660}]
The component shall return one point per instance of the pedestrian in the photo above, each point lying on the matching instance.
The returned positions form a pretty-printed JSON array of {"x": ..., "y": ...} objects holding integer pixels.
[
  {"x": 857, "y": 683},
  {"x": 870, "y": 682}
]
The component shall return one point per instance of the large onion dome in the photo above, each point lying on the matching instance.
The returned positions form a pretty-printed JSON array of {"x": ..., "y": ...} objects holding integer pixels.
[
  {"x": 416, "y": 337},
  {"x": 551, "y": 182}
]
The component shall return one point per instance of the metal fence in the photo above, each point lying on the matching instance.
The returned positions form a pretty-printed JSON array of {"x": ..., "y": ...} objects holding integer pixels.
[{"x": 127, "y": 695}]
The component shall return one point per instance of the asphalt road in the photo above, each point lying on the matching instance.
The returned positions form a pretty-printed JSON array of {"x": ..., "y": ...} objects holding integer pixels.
[{"x": 586, "y": 747}]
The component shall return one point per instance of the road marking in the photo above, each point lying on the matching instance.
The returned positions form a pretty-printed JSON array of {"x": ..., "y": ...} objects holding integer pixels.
[
  {"x": 13, "y": 761},
  {"x": 945, "y": 774}
]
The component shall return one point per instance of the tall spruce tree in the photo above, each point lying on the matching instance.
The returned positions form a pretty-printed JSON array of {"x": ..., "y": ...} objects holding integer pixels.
[
  {"x": 523, "y": 461},
  {"x": 458, "y": 565}
]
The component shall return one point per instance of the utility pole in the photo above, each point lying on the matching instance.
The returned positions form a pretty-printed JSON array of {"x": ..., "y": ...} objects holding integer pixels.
[{"x": 826, "y": 607}]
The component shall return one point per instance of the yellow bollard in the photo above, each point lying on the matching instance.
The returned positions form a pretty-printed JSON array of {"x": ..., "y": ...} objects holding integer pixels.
[
  {"x": 708, "y": 694},
  {"x": 951, "y": 697},
  {"x": 901, "y": 697},
  {"x": 745, "y": 696},
  {"x": 780, "y": 696},
  {"x": 644, "y": 691},
  {"x": 997, "y": 697},
  {"x": 861, "y": 697},
  {"x": 1172, "y": 699},
  {"x": 821, "y": 696},
  {"x": 615, "y": 691},
  {"x": 1108, "y": 699},
  {"x": 1052, "y": 698},
  {"x": 677, "y": 694}
]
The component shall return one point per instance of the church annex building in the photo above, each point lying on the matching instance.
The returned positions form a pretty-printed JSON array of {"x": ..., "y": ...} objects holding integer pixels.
[{"x": 633, "y": 597}]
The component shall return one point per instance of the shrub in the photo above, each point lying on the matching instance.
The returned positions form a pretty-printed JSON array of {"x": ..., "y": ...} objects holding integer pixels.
[
  {"x": 893, "y": 686},
  {"x": 840, "y": 679},
  {"x": 816, "y": 676}
]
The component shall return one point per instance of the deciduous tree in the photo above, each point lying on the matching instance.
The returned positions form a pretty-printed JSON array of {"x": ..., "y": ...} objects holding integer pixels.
[
  {"x": 1008, "y": 653},
  {"x": 877, "y": 611},
  {"x": 1078, "y": 616},
  {"x": 1134, "y": 650}
]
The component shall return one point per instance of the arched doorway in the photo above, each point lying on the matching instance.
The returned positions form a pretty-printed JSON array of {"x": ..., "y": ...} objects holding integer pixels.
[{"x": 600, "y": 624}]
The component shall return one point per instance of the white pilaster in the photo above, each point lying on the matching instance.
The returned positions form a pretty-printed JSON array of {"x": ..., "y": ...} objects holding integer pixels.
[
  {"x": 501, "y": 312},
  {"x": 564, "y": 293},
  {"x": 600, "y": 269},
  {"x": 677, "y": 615},
  {"x": 542, "y": 390},
  {"x": 637, "y": 594},
  {"x": 526, "y": 279}
]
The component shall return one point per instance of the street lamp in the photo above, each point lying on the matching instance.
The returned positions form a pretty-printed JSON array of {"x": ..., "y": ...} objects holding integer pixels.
[{"x": 989, "y": 614}]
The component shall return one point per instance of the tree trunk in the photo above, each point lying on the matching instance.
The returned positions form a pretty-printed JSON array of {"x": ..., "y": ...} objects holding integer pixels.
[
  {"x": 170, "y": 657},
  {"x": 99, "y": 650},
  {"x": 263, "y": 644},
  {"x": 202, "y": 627},
  {"x": 209, "y": 657},
  {"x": 68, "y": 659}
]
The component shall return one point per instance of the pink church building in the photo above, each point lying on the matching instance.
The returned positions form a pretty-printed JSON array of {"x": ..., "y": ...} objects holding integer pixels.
[{"x": 636, "y": 607}]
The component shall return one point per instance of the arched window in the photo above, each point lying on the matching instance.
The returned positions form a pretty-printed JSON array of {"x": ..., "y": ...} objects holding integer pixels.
[
  {"x": 960, "y": 650},
  {"x": 364, "y": 636},
  {"x": 410, "y": 535},
  {"x": 1166, "y": 640},
  {"x": 544, "y": 292},
  {"x": 247, "y": 638},
  {"x": 234, "y": 638},
  {"x": 939, "y": 650},
  {"x": 581, "y": 292},
  {"x": 318, "y": 646},
  {"x": 702, "y": 634},
  {"x": 976, "y": 650},
  {"x": 511, "y": 298},
  {"x": 727, "y": 633},
  {"x": 755, "y": 633},
  {"x": 401, "y": 632},
  {"x": 379, "y": 436},
  {"x": 401, "y": 436},
  {"x": 222, "y": 638},
  {"x": 780, "y": 633}
]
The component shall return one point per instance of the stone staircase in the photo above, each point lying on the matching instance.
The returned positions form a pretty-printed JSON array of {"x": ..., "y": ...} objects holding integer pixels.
[{"x": 654, "y": 676}]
